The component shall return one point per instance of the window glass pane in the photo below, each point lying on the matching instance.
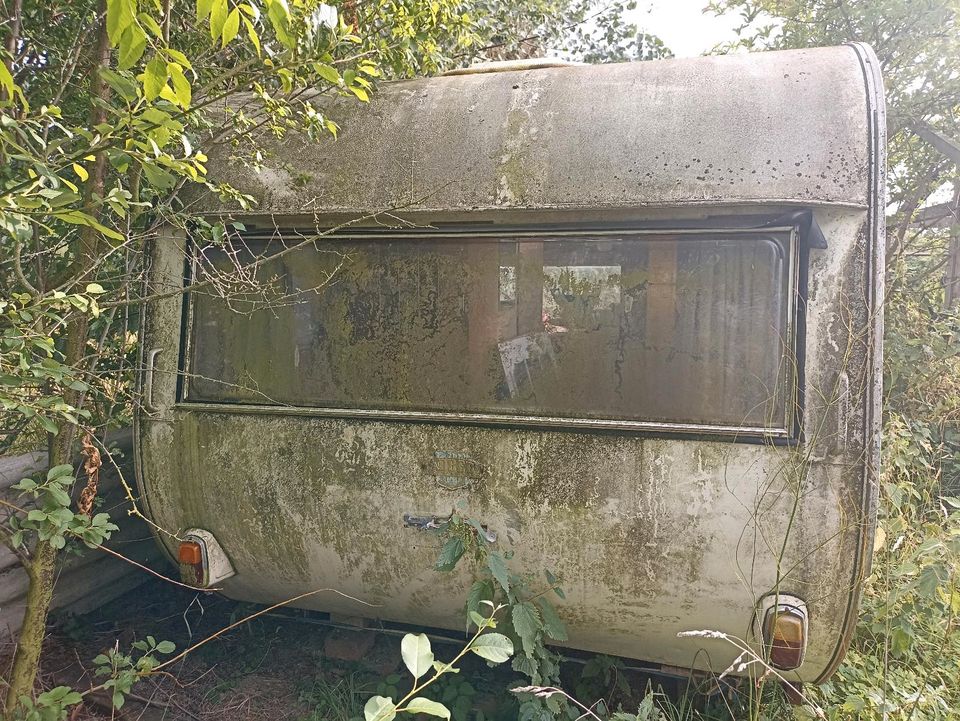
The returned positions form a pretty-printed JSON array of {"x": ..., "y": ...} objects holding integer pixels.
[{"x": 690, "y": 329}]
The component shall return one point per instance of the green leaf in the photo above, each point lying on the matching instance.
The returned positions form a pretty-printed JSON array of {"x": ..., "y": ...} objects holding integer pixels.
[
  {"x": 279, "y": 14},
  {"x": 158, "y": 177},
  {"x": 60, "y": 496},
  {"x": 451, "y": 552},
  {"x": 94, "y": 289},
  {"x": 178, "y": 57},
  {"x": 65, "y": 469},
  {"x": 379, "y": 708},
  {"x": 150, "y": 24},
  {"x": 133, "y": 42},
  {"x": 495, "y": 647},
  {"x": 552, "y": 624},
  {"x": 527, "y": 665},
  {"x": 61, "y": 696},
  {"x": 360, "y": 93},
  {"x": 854, "y": 703},
  {"x": 477, "y": 620},
  {"x": 252, "y": 33},
  {"x": 181, "y": 86},
  {"x": 203, "y": 9},
  {"x": 417, "y": 654},
  {"x": 498, "y": 568},
  {"x": 230, "y": 27},
  {"x": 154, "y": 77},
  {"x": 327, "y": 72},
  {"x": 218, "y": 17},
  {"x": 931, "y": 577},
  {"x": 119, "y": 18},
  {"x": 48, "y": 425},
  {"x": 120, "y": 84},
  {"x": 425, "y": 705},
  {"x": 166, "y": 647},
  {"x": 6, "y": 80},
  {"x": 526, "y": 622},
  {"x": 951, "y": 501},
  {"x": 479, "y": 591},
  {"x": 76, "y": 217}
]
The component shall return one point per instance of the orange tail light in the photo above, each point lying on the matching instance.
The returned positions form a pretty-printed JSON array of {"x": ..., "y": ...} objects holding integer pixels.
[
  {"x": 203, "y": 562},
  {"x": 785, "y": 635},
  {"x": 192, "y": 567},
  {"x": 190, "y": 553}
]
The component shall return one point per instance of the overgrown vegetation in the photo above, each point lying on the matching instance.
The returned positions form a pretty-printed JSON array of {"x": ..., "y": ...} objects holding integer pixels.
[{"x": 531, "y": 619}]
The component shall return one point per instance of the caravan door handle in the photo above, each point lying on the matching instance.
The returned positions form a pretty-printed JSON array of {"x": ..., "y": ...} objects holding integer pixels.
[
  {"x": 435, "y": 523},
  {"x": 148, "y": 380}
]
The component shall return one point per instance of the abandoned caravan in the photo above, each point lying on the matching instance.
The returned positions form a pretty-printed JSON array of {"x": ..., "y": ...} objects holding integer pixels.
[{"x": 626, "y": 318}]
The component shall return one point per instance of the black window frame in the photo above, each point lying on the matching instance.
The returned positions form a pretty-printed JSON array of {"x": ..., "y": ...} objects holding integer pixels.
[{"x": 805, "y": 234}]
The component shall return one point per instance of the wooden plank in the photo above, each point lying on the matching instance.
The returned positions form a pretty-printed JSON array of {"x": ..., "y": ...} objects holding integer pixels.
[
  {"x": 94, "y": 578},
  {"x": 949, "y": 147}
]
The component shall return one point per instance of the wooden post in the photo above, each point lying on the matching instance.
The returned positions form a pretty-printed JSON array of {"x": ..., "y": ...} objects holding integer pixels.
[{"x": 951, "y": 275}]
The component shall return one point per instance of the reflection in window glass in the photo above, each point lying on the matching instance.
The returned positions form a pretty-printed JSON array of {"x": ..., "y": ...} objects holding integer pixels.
[{"x": 687, "y": 329}]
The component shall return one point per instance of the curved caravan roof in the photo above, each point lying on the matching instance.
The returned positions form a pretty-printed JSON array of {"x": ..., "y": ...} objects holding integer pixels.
[{"x": 769, "y": 128}]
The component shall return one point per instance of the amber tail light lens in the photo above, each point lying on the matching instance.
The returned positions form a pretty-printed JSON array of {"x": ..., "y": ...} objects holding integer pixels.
[
  {"x": 192, "y": 567},
  {"x": 190, "y": 553},
  {"x": 785, "y": 635},
  {"x": 202, "y": 560}
]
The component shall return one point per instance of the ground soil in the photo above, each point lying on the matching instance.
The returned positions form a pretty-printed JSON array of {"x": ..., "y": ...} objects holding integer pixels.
[{"x": 288, "y": 664}]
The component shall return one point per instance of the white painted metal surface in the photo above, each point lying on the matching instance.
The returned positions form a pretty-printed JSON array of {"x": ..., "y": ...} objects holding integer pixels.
[{"x": 653, "y": 533}]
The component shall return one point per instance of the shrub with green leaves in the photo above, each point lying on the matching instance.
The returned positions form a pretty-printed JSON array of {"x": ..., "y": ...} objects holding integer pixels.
[
  {"x": 531, "y": 617},
  {"x": 425, "y": 669},
  {"x": 52, "y": 520}
]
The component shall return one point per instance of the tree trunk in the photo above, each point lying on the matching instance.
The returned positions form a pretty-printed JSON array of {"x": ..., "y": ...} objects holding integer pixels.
[
  {"x": 42, "y": 566},
  {"x": 27, "y": 658}
]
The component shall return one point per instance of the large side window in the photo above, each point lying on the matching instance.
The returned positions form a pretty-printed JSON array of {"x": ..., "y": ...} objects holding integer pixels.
[{"x": 688, "y": 331}]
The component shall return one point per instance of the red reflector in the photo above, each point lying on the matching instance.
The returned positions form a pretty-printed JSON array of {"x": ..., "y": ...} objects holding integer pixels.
[{"x": 190, "y": 553}]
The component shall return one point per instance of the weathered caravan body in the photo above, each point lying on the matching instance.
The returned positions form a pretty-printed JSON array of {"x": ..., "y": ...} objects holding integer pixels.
[{"x": 627, "y": 317}]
